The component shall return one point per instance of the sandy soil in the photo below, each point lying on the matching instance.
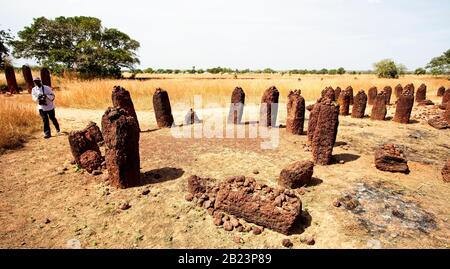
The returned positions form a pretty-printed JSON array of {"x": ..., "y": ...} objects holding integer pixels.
[{"x": 45, "y": 201}]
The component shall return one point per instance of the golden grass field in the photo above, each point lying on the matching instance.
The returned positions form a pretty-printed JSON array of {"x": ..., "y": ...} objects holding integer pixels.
[{"x": 96, "y": 94}]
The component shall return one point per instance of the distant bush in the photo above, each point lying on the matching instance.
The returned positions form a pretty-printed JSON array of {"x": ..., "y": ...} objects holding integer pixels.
[
  {"x": 389, "y": 69},
  {"x": 420, "y": 71}
]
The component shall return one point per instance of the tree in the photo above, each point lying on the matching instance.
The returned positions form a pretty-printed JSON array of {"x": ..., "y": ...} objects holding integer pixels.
[
  {"x": 440, "y": 65},
  {"x": 332, "y": 72},
  {"x": 389, "y": 69},
  {"x": 420, "y": 71},
  {"x": 5, "y": 38},
  {"x": 77, "y": 43},
  {"x": 341, "y": 71}
]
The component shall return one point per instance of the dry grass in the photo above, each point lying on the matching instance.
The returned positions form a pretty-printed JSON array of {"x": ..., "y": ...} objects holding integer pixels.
[
  {"x": 182, "y": 88},
  {"x": 216, "y": 89},
  {"x": 17, "y": 122}
]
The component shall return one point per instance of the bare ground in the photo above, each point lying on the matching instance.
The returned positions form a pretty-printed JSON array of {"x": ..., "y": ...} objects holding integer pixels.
[{"x": 45, "y": 201}]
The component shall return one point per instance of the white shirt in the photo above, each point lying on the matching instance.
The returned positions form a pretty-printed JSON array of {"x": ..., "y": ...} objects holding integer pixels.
[{"x": 36, "y": 91}]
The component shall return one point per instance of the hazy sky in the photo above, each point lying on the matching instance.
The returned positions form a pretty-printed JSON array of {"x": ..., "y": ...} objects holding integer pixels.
[{"x": 280, "y": 34}]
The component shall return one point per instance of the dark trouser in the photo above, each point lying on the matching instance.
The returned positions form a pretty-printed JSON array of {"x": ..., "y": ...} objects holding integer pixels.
[{"x": 48, "y": 114}]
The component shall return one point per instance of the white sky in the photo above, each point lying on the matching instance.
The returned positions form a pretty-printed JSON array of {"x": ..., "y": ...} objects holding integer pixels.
[{"x": 280, "y": 34}]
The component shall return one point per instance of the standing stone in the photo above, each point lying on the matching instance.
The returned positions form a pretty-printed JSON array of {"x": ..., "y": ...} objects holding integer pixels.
[
  {"x": 269, "y": 107},
  {"x": 447, "y": 113},
  {"x": 344, "y": 102},
  {"x": 45, "y": 77},
  {"x": 11, "y": 79},
  {"x": 388, "y": 93},
  {"x": 121, "y": 134},
  {"x": 325, "y": 132},
  {"x": 359, "y": 105},
  {"x": 295, "y": 113},
  {"x": 440, "y": 91},
  {"x": 446, "y": 96},
  {"x": 372, "y": 95},
  {"x": 337, "y": 92},
  {"x": 421, "y": 94},
  {"x": 163, "y": 111},
  {"x": 312, "y": 122},
  {"x": 236, "y": 106},
  {"x": 349, "y": 89},
  {"x": 404, "y": 106},
  {"x": 121, "y": 98},
  {"x": 398, "y": 90},
  {"x": 328, "y": 93},
  {"x": 379, "y": 107},
  {"x": 28, "y": 77}
]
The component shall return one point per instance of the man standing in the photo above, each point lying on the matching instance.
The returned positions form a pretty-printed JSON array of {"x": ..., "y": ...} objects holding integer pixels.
[{"x": 44, "y": 96}]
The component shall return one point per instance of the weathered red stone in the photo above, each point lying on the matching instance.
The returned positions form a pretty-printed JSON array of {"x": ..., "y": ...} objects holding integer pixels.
[
  {"x": 295, "y": 113},
  {"x": 45, "y": 77},
  {"x": 387, "y": 93},
  {"x": 296, "y": 174},
  {"x": 440, "y": 91},
  {"x": 328, "y": 93},
  {"x": 163, "y": 110},
  {"x": 274, "y": 209},
  {"x": 446, "y": 172},
  {"x": 325, "y": 131},
  {"x": 447, "y": 113},
  {"x": 121, "y": 134},
  {"x": 372, "y": 95},
  {"x": 349, "y": 89},
  {"x": 93, "y": 132},
  {"x": 446, "y": 96},
  {"x": 359, "y": 105},
  {"x": 398, "y": 90},
  {"x": 121, "y": 98},
  {"x": 439, "y": 122},
  {"x": 236, "y": 106},
  {"x": 91, "y": 160},
  {"x": 11, "y": 81},
  {"x": 79, "y": 144},
  {"x": 390, "y": 158},
  {"x": 344, "y": 102},
  {"x": 312, "y": 122},
  {"x": 404, "y": 106},
  {"x": 269, "y": 107},
  {"x": 421, "y": 93},
  {"x": 379, "y": 107},
  {"x": 337, "y": 92},
  {"x": 28, "y": 77}
]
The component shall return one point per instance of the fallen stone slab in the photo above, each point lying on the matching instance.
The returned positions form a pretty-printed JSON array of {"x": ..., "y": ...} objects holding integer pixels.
[
  {"x": 274, "y": 209},
  {"x": 242, "y": 197},
  {"x": 438, "y": 122},
  {"x": 390, "y": 158}
]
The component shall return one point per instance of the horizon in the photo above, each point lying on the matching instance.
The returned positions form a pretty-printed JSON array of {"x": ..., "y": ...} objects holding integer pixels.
[{"x": 260, "y": 34}]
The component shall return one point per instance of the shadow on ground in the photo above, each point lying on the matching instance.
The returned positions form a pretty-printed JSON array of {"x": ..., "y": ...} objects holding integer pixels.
[{"x": 161, "y": 175}]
